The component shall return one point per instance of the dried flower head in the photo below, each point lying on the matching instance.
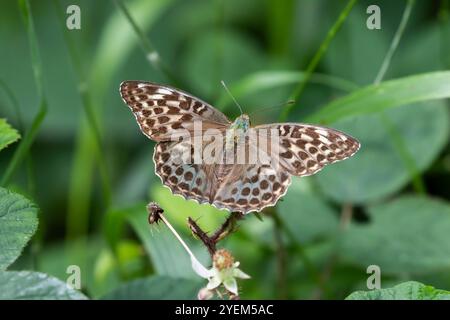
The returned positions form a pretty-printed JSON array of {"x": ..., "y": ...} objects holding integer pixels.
[{"x": 223, "y": 259}]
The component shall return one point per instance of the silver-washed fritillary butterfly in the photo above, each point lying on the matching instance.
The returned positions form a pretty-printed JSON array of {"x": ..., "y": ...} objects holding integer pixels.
[{"x": 168, "y": 115}]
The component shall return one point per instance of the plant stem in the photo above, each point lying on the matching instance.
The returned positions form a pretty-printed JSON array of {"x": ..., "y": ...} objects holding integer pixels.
[
  {"x": 392, "y": 130},
  {"x": 443, "y": 16},
  {"x": 224, "y": 230},
  {"x": 14, "y": 105},
  {"x": 227, "y": 227},
  {"x": 346, "y": 218},
  {"x": 395, "y": 41},
  {"x": 88, "y": 108},
  {"x": 150, "y": 52},
  {"x": 24, "y": 147},
  {"x": 266, "y": 80},
  {"x": 280, "y": 20},
  {"x": 163, "y": 218},
  {"x": 281, "y": 260},
  {"x": 204, "y": 238},
  {"x": 309, "y": 266},
  {"x": 317, "y": 57}
]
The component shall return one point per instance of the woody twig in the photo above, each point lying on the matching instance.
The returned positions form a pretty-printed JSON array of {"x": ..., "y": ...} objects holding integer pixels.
[{"x": 210, "y": 242}]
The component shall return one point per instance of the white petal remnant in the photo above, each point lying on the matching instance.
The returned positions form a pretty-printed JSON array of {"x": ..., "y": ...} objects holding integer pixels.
[
  {"x": 231, "y": 285},
  {"x": 237, "y": 273},
  {"x": 199, "y": 268},
  {"x": 213, "y": 282}
]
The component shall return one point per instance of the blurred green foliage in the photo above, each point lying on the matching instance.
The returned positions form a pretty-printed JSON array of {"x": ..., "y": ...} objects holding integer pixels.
[
  {"x": 410, "y": 290},
  {"x": 84, "y": 163}
]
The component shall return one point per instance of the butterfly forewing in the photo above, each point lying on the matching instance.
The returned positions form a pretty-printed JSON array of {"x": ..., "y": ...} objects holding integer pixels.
[
  {"x": 162, "y": 111},
  {"x": 305, "y": 149}
]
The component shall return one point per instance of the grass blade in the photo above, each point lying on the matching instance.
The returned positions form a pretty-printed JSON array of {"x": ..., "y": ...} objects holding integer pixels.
[
  {"x": 388, "y": 94},
  {"x": 395, "y": 42},
  {"x": 265, "y": 80},
  {"x": 151, "y": 54},
  {"x": 317, "y": 57},
  {"x": 14, "y": 103},
  {"x": 397, "y": 139},
  {"x": 114, "y": 46},
  {"x": 29, "y": 135},
  {"x": 88, "y": 108}
]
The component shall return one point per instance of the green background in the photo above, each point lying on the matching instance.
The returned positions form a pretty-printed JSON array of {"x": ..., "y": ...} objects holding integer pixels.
[{"x": 90, "y": 172}]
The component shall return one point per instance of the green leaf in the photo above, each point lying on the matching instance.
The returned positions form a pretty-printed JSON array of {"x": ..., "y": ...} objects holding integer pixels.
[
  {"x": 100, "y": 272},
  {"x": 156, "y": 288},
  {"x": 406, "y": 236},
  {"x": 410, "y": 290},
  {"x": 305, "y": 214},
  {"x": 388, "y": 94},
  {"x": 35, "y": 286},
  {"x": 8, "y": 134},
  {"x": 377, "y": 170},
  {"x": 178, "y": 209},
  {"x": 18, "y": 222}
]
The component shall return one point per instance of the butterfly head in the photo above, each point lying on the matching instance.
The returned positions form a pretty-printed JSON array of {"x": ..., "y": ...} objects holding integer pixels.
[
  {"x": 242, "y": 123},
  {"x": 237, "y": 130}
]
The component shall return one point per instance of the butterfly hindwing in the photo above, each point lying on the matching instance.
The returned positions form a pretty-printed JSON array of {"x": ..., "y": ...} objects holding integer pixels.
[
  {"x": 252, "y": 188},
  {"x": 235, "y": 187},
  {"x": 188, "y": 180}
]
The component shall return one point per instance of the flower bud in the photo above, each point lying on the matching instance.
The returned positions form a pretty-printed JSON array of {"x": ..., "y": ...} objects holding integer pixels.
[{"x": 205, "y": 294}]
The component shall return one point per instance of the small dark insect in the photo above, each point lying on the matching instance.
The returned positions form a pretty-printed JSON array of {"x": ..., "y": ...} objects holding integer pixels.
[{"x": 154, "y": 213}]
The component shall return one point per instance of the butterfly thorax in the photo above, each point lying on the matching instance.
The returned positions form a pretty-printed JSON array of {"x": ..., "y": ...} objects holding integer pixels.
[{"x": 237, "y": 130}]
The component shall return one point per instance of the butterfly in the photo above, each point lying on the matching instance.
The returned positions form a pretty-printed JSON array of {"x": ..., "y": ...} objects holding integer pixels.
[{"x": 164, "y": 112}]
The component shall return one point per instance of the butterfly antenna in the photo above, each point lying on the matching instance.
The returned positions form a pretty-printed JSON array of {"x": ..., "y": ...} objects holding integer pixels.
[
  {"x": 287, "y": 103},
  {"x": 232, "y": 97}
]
